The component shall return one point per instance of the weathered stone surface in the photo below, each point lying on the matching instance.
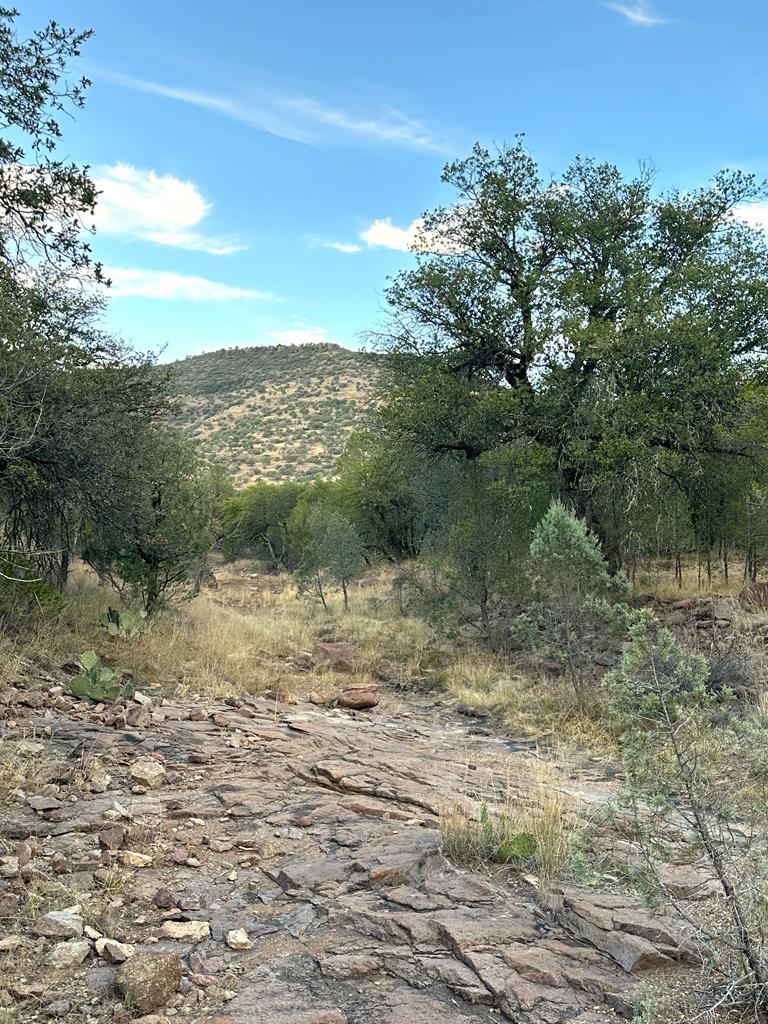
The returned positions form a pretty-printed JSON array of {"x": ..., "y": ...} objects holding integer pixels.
[
  {"x": 186, "y": 931},
  {"x": 311, "y": 837},
  {"x": 620, "y": 927},
  {"x": 148, "y": 772},
  {"x": 341, "y": 657},
  {"x": 66, "y": 955},
  {"x": 114, "y": 952},
  {"x": 237, "y": 938},
  {"x": 149, "y": 980},
  {"x": 61, "y": 924}
]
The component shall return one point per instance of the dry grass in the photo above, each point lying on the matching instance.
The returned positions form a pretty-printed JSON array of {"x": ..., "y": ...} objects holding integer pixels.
[
  {"x": 252, "y": 634},
  {"x": 658, "y": 578},
  {"x": 256, "y": 633},
  {"x": 23, "y": 766},
  {"x": 526, "y": 803},
  {"x": 532, "y": 706}
]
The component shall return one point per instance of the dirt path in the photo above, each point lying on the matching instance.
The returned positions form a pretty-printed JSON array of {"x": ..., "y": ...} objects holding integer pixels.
[{"x": 309, "y": 837}]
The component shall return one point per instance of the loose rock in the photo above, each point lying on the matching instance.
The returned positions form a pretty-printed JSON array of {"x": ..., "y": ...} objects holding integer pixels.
[{"x": 149, "y": 980}]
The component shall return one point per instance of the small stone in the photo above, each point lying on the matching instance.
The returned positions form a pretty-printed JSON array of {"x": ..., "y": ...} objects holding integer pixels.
[
  {"x": 131, "y": 859},
  {"x": 44, "y": 803},
  {"x": 69, "y": 954},
  {"x": 112, "y": 838},
  {"x": 237, "y": 938},
  {"x": 179, "y": 855},
  {"x": 10, "y": 942},
  {"x": 114, "y": 952},
  {"x": 147, "y": 772},
  {"x": 98, "y": 779},
  {"x": 149, "y": 980},
  {"x": 59, "y": 1008},
  {"x": 341, "y": 657},
  {"x": 200, "y": 757},
  {"x": 9, "y": 867},
  {"x": 202, "y": 980},
  {"x": 164, "y": 899},
  {"x": 100, "y": 981},
  {"x": 92, "y": 933},
  {"x": 186, "y": 931},
  {"x": 61, "y": 924}
]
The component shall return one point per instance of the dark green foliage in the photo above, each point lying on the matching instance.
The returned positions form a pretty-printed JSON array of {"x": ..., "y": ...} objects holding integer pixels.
[
  {"x": 43, "y": 208},
  {"x": 255, "y": 522},
  {"x": 332, "y": 552},
  {"x": 156, "y": 545},
  {"x": 621, "y": 331},
  {"x": 98, "y": 683},
  {"x": 576, "y": 599}
]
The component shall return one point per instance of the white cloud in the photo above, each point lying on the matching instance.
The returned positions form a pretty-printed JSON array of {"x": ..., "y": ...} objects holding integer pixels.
[
  {"x": 302, "y": 334},
  {"x": 754, "y": 214},
  {"x": 156, "y": 208},
  {"x": 170, "y": 286},
  {"x": 382, "y": 233},
  {"x": 640, "y": 13},
  {"x": 299, "y": 118},
  {"x": 347, "y": 247}
]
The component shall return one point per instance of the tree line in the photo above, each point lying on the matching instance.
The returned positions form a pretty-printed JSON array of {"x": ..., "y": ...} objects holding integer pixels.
[{"x": 88, "y": 466}]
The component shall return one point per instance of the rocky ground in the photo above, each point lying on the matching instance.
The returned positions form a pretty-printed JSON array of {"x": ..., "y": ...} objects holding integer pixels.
[{"x": 271, "y": 863}]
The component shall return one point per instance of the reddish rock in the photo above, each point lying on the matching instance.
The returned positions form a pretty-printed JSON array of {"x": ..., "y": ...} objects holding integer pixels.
[
  {"x": 341, "y": 657},
  {"x": 358, "y": 698}
]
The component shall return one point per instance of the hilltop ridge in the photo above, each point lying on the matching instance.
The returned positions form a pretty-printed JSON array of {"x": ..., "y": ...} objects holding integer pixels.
[{"x": 278, "y": 412}]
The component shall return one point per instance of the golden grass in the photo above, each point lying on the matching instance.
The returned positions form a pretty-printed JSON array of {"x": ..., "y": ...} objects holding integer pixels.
[
  {"x": 658, "y": 578},
  {"x": 532, "y": 706},
  {"x": 527, "y": 803},
  {"x": 252, "y": 634}
]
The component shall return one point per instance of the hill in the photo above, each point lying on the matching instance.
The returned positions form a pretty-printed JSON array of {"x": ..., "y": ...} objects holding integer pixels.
[{"x": 281, "y": 412}]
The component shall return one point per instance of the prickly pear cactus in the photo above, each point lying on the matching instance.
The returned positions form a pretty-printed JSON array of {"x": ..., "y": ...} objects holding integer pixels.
[
  {"x": 98, "y": 683},
  {"x": 123, "y": 624}
]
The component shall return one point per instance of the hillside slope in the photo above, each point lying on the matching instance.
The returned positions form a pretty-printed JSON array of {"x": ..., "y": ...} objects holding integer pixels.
[{"x": 276, "y": 413}]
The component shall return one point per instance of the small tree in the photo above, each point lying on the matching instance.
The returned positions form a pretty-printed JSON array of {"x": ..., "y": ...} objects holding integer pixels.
[
  {"x": 342, "y": 553},
  {"x": 332, "y": 550},
  {"x": 576, "y": 595},
  {"x": 679, "y": 761},
  {"x": 157, "y": 544}
]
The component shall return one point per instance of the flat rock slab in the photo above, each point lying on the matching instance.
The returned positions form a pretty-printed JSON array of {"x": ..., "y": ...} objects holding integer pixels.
[{"x": 312, "y": 887}]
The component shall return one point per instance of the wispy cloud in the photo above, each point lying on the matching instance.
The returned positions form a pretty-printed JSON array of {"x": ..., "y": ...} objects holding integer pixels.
[
  {"x": 142, "y": 204},
  {"x": 170, "y": 286},
  {"x": 298, "y": 118},
  {"x": 302, "y": 333},
  {"x": 345, "y": 247},
  {"x": 640, "y": 13}
]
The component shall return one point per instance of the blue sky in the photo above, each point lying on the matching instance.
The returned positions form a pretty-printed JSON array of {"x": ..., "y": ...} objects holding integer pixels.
[{"x": 262, "y": 163}]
